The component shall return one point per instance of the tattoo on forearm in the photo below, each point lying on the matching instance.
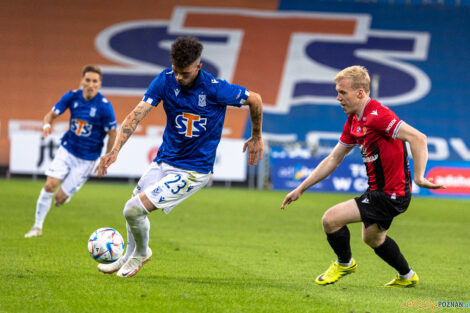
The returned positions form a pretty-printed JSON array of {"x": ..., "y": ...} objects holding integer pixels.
[
  {"x": 256, "y": 115},
  {"x": 130, "y": 124}
]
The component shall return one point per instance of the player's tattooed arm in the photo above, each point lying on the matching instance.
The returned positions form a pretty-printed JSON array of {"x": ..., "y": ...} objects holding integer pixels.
[
  {"x": 130, "y": 123},
  {"x": 128, "y": 127},
  {"x": 255, "y": 143}
]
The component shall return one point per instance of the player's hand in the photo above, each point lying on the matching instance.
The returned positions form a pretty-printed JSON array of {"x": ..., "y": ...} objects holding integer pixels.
[
  {"x": 425, "y": 183},
  {"x": 46, "y": 130},
  {"x": 105, "y": 161},
  {"x": 291, "y": 197},
  {"x": 255, "y": 149}
]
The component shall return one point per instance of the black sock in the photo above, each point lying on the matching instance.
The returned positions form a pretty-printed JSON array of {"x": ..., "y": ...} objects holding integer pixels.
[
  {"x": 391, "y": 254},
  {"x": 339, "y": 241}
]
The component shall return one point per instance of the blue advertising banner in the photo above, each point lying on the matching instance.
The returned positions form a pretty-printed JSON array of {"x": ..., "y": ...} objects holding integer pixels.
[{"x": 288, "y": 172}]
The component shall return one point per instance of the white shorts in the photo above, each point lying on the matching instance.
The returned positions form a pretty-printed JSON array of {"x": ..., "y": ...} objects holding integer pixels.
[
  {"x": 72, "y": 171},
  {"x": 166, "y": 186}
]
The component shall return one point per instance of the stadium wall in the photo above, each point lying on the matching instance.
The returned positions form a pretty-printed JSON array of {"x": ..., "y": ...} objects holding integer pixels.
[{"x": 288, "y": 51}]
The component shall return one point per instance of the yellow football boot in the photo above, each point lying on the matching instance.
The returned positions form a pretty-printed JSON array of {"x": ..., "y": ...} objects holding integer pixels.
[
  {"x": 335, "y": 272},
  {"x": 399, "y": 282}
]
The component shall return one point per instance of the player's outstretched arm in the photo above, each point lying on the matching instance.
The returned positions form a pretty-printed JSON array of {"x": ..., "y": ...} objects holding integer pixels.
[
  {"x": 419, "y": 150},
  {"x": 128, "y": 127},
  {"x": 47, "y": 123},
  {"x": 322, "y": 171},
  {"x": 111, "y": 139},
  {"x": 255, "y": 142}
]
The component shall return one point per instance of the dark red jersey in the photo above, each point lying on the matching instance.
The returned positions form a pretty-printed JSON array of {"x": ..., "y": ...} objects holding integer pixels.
[{"x": 385, "y": 157}]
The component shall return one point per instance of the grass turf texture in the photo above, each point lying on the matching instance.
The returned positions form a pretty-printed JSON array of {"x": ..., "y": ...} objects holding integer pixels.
[{"x": 222, "y": 250}]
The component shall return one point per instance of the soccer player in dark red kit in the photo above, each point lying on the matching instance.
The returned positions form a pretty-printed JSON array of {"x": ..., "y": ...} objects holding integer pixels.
[{"x": 381, "y": 137}]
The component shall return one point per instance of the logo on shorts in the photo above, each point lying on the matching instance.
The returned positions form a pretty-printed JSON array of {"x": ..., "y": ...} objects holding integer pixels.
[
  {"x": 366, "y": 200},
  {"x": 156, "y": 191}
]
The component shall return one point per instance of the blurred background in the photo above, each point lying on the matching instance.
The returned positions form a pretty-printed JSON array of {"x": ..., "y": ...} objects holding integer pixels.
[{"x": 286, "y": 50}]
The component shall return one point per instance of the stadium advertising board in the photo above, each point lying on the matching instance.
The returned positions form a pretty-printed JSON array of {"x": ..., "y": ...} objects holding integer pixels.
[
  {"x": 287, "y": 172},
  {"x": 30, "y": 154}
]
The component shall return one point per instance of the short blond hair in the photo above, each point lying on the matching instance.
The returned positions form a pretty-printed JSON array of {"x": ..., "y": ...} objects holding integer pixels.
[{"x": 359, "y": 77}]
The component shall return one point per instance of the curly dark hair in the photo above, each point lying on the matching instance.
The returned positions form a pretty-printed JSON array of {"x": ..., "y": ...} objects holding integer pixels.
[{"x": 184, "y": 51}]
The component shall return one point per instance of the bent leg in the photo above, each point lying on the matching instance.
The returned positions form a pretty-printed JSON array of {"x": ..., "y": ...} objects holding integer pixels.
[
  {"x": 339, "y": 215},
  {"x": 138, "y": 223},
  {"x": 386, "y": 248},
  {"x": 43, "y": 205},
  {"x": 60, "y": 197},
  {"x": 337, "y": 233}
]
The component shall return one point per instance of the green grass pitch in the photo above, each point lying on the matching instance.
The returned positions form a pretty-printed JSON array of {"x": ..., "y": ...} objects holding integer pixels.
[{"x": 223, "y": 250}]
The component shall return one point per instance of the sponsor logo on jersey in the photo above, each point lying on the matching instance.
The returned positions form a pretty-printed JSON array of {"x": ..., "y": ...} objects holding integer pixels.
[
  {"x": 191, "y": 125},
  {"x": 177, "y": 92},
  {"x": 75, "y": 104},
  {"x": 80, "y": 127},
  {"x": 374, "y": 113},
  {"x": 371, "y": 158},
  {"x": 390, "y": 125}
]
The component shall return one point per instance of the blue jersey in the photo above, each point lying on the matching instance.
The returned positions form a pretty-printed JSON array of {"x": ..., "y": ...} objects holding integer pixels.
[
  {"x": 195, "y": 117},
  {"x": 89, "y": 123}
]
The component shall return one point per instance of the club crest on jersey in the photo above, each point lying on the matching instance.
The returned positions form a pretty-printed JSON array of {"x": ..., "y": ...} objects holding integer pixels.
[
  {"x": 202, "y": 100},
  {"x": 80, "y": 127},
  {"x": 191, "y": 125}
]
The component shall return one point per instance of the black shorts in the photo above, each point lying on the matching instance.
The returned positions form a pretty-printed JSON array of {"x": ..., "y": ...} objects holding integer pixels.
[{"x": 377, "y": 207}]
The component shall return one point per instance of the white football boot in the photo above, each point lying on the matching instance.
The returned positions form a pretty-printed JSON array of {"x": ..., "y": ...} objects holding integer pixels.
[
  {"x": 134, "y": 264},
  {"x": 109, "y": 268},
  {"x": 34, "y": 232}
]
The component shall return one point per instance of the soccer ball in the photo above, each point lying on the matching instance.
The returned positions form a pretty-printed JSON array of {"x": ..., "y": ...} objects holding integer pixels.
[{"x": 105, "y": 245}]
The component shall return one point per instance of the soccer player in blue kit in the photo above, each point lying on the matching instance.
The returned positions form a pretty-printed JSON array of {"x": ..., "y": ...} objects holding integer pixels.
[
  {"x": 91, "y": 119},
  {"x": 195, "y": 103}
]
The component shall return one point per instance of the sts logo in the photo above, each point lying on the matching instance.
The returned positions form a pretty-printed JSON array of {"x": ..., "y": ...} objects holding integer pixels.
[
  {"x": 80, "y": 127},
  {"x": 191, "y": 125}
]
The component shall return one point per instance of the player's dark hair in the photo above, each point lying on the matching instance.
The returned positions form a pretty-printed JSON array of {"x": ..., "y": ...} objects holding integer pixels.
[
  {"x": 92, "y": 68},
  {"x": 185, "y": 50}
]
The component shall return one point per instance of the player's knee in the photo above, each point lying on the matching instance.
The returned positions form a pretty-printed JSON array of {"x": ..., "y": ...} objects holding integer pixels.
[
  {"x": 50, "y": 186},
  {"x": 133, "y": 208},
  {"x": 371, "y": 241},
  {"x": 328, "y": 222}
]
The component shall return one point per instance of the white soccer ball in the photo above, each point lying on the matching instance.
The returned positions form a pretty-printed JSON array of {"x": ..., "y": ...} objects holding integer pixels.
[{"x": 106, "y": 245}]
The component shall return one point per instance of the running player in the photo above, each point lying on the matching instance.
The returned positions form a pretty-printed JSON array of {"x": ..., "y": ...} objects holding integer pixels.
[
  {"x": 381, "y": 136},
  {"x": 91, "y": 119},
  {"x": 195, "y": 103}
]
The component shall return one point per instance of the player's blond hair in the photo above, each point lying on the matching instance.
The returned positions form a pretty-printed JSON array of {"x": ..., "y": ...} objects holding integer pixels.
[{"x": 359, "y": 77}]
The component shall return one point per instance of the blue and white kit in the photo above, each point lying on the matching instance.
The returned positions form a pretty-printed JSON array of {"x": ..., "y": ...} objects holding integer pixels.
[
  {"x": 81, "y": 145},
  {"x": 89, "y": 123},
  {"x": 195, "y": 118}
]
